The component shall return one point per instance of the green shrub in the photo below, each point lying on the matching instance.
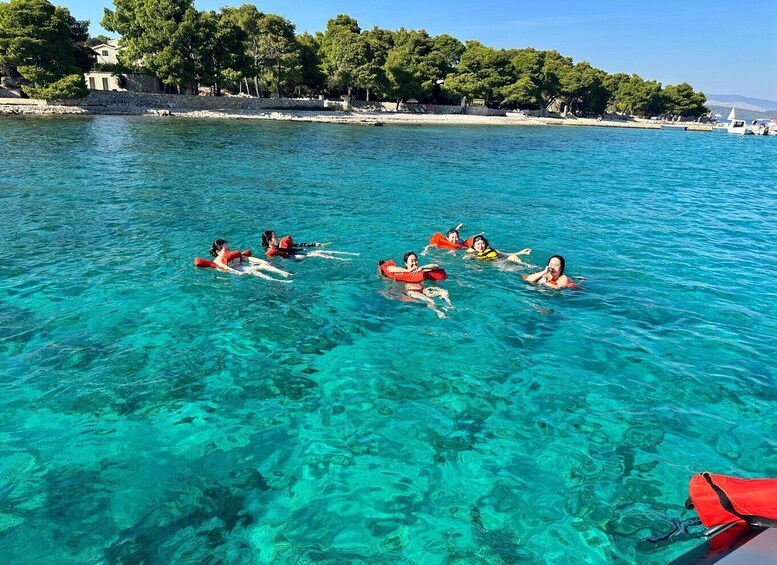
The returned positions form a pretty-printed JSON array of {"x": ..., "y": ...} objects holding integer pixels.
[{"x": 71, "y": 87}]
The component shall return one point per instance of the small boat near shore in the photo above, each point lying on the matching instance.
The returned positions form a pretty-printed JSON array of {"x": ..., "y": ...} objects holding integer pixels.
[
  {"x": 736, "y": 126},
  {"x": 739, "y": 127},
  {"x": 762, "y": 127}
]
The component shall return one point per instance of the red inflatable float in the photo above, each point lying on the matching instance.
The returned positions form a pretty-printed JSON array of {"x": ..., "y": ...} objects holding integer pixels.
[
  {"x": 720, "y": 499},
  {"x": 569, "y": 284},
  {"x": 437, "y": 274},
  {"x": 231, "y": 256},
  {"x": 439, "y": 240},
  {"x": 285, "y": 248}
]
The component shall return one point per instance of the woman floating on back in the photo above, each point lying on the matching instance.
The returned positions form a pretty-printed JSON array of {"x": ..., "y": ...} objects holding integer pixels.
[
  {"x": 482, "y": 250},
  {"x": 288, "y": 249},
  {"x": 239, "y": 262},
  {"x": 413, "y": 275},
  {"x": 552, "y": 275}
]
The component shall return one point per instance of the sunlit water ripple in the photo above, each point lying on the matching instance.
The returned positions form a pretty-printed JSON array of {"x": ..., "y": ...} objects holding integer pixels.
[{"x": 154, "y": 412}]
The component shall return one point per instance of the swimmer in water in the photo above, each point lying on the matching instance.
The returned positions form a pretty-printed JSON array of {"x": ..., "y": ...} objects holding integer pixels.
[
  {"x": 482, "y": 250},
  {"x": 288, "y": 249},
  {"x": 451, "y": 240},
  {"x": 552, "y": 275},
  {"x": 417, "y": 290},
  {"x": 243, "y": 264}
]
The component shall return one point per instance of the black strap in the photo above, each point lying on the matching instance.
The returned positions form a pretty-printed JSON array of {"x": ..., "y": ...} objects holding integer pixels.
[{"x": 725, "y": 502}]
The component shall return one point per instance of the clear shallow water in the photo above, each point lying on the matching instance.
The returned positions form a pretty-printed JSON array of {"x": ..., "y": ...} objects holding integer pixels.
[{"x": 152, "y": 411}]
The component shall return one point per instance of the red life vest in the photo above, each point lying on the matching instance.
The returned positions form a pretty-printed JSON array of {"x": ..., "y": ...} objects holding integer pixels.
[
  {"x": 569, "y": 284},
  {"x": 437, "y": 274},
  {"x": 284, "y": 249},
  {"x": 720, "y": 499},
  {"x": 232, "y": 255},
  {"x": 439, "y": 240}
]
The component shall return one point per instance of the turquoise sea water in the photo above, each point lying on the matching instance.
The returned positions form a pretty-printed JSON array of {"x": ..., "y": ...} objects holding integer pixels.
[{"x": 154, "y": 412}]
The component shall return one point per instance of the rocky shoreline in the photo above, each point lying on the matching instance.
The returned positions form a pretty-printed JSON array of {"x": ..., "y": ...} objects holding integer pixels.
[{"x": 28, "y": 107}]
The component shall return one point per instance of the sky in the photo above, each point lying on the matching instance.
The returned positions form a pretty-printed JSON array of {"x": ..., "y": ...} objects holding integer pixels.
[{"x": 718, "y": 46}]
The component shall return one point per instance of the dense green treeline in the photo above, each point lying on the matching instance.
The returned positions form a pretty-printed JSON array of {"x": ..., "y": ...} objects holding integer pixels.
[
  {"x": 245, "y": 50},
  {"x": 45, "y": 45}
]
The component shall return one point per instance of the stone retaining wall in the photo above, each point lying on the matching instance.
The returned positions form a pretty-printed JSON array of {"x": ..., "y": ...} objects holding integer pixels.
[
  {"x": 8, "y": 93},
  {"x": 21, "y": 102},
  {"x": 484, "y": 111},
  {"x": 107, "y": 101},
  {"x": 122, "y": 102},
  {"x": 427, "y": 108}
]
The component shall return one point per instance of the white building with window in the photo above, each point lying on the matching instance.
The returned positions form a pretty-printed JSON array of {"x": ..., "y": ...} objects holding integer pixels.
[
  {"x": 98, "y": 80},
  {"x": 107, "y": 53},
  {"x": 132, "y": 82},
  {"x": 105, "y": 79}
]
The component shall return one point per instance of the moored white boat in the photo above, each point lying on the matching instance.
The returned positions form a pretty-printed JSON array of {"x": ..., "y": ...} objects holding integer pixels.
[
  {"x": 735, "y": 126},
  {"x": 758, "y": 129},
  {"x": 738, "y": 127}
]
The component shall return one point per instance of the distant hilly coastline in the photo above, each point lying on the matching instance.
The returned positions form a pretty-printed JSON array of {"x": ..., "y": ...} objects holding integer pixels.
[
  {"x": 742, "y": 102},
  {"x": 721, "y": 113}
]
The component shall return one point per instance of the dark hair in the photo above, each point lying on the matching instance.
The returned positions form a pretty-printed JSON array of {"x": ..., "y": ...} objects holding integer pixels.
[
  {"x": 266, "y": 237},
  {"x": 479, "y": 238},
  {"x": 449, "y": 232},
  {"x": 218, "y": 245},
  {"x": 561, "y": 261},
  {"x": 407, "y": 256}
]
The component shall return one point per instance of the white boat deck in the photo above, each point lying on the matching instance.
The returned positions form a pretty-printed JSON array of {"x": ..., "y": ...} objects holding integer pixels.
[{"x": 761, "y": 550}]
